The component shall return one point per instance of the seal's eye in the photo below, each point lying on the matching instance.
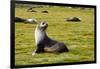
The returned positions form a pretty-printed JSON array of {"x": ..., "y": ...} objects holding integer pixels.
[{"x": 43, "y": 23}]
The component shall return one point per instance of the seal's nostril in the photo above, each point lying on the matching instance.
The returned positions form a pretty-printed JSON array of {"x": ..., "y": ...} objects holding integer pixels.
[{"x": 47, "y": 24}]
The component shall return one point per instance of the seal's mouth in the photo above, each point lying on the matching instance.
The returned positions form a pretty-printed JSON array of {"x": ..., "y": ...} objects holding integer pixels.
[{"x": 45, "y": 26}]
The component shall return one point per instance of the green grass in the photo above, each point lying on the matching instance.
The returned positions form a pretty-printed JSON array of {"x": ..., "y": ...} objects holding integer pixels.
[{"x": 78, "y": 36}]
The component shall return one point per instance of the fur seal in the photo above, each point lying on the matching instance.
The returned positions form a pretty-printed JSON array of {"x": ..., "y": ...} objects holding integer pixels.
[
  {"x": 45, "y": 11},
  {"x": 46, "y": 44},
  {"x": 18, "y": 19},
  {"x": 73, "y": 19},
  {"x": 31, "y": 20}
]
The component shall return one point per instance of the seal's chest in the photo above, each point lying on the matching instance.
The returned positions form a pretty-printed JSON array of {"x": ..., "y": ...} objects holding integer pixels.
[{"x": 39, "y": 36}]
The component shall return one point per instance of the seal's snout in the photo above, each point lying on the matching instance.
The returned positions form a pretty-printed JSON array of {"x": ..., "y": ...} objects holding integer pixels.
[{"x": 46, "y": 24}]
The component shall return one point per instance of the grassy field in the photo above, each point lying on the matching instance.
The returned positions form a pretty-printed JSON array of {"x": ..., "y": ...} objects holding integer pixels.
[{"x": 78, "y": 36}]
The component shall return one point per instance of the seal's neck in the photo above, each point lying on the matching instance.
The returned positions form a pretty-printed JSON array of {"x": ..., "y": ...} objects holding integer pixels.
[{"x": 40, "y": 35}]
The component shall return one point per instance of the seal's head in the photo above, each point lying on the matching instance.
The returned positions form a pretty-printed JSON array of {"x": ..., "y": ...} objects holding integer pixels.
[{"x": 42, "y": 26}]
